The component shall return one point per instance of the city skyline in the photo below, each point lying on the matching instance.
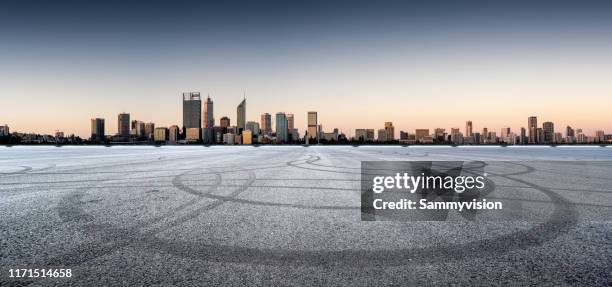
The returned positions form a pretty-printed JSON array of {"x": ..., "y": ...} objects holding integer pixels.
[{"x": 419, "y": 65}]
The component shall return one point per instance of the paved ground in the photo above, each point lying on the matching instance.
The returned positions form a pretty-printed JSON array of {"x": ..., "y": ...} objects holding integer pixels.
[{"x": 290, "y": 216}]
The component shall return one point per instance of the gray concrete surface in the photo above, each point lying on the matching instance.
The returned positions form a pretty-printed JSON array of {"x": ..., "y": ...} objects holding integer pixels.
[{"x": 289, "y": 215}]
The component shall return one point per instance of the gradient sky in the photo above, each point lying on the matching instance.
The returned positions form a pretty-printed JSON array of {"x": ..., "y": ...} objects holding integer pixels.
[{"x": 358, "y": 63}]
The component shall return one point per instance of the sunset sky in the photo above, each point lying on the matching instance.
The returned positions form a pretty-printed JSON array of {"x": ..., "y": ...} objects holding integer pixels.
[{"x": 358, "y": 64}]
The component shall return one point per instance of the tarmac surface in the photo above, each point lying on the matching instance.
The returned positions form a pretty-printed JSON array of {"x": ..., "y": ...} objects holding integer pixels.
[{"x": 290, "y": 215}]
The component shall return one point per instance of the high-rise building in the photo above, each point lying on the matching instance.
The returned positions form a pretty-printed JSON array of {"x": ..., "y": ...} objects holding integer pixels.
[
  {"x": 468, "y": 129},
  {"x": 364, "y": 135},
  {"x": 4, "y": 131},
  {"x": 382, "y": 135},
  {"x": 253, "y": 126},
  {"x": 160, "y": 134},
  {"x": 192, "y": 110},
  {"x": 485, "y": 136},
  {"x": 403, "y": 135},
  {"x": 421, "y": 134},
  {"x": 209, "y": 118},
  {"x": 149, "y": 130},
  {"x": 123, "y": 125},
  {"x": 247, "y": 137},
  {"x": 282, "y": 131},
  {"x": 600, "y": 136},
  {"x": 389, "y": 131},
  {"x": 266, "y": 123},
  {"x": 140, "y": 130},
  {"x": 312, "y": 131},
  {"x": 224, "y": 122},
  {"x": 241, "y": 116},
  {"x": 539, "y": 135},
  {"x": 97, "y": 130},
  {"x": 173, "y": 134},
  {"x": 549, "y": 132},
  {"x": 290, "y": 121},
  {"x": 570, "y": 136},
  {"x": 523, "y": 139},
  {"x": 505, "y": 134},
  {"x": 532, "y": 125}
]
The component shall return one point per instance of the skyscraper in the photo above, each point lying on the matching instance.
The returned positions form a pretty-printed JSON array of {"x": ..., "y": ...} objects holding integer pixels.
[
  {"x": 224, "y": 122},
  {"x": 389, "y": 131},
  {"x": 209, "y": 119},
  {"x": 97, "y": 130},
  {"x": 173, "y": 133},
  {"x": 266, "y": 123},
  {"x": 290, "y": 121},
  {"x": 123, "y": 125},
  {"x": 549, "y": 132},
  {"x": 282, "y": 131},
  {"x": 253, "y": 126},
  {"x": 523, "y": 138},
  {"x": 313, "y": 134},
  {"x": 468, "y": 129},
  {"x": 241, "y": 116},
  {"x": 192, "y": 110},
  {"x": 149, "y": 130},
  {"x": 532, "y": 125}
]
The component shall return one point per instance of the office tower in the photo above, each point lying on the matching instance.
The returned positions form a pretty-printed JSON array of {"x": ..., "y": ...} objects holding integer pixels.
[
  {"x": 97, "y": 130},
  {"x": 173, "y": 134},
  {"x": 485, "y": 136},
  {"x": 282, "y": 131},
  {"x": 149, "y": 129},
  {"x": 599, "y": 136},
  {"x": 4, "y": 131},
  {"x": 492, "y": 137},
  {"x": 193, "y": 134},
  {"x": 523, "y": 139},
  {"x": 421, "y": 134},
  {"x": 439, "y": 134},
  {"x": 290, "y": 122},
  {"x": 192, "y": 110},
  {"x": 468, "y": 129},
  {"x": 403, "y": 135},
  {"x": 505, "y": 133},
  {"x": 382, "y": 135},
  {"x": 549, "y": 132},
  {"x": 241, "y": 116},
  {"x": 558, "y": 138},
  {"x": 140, "y": 129},
  {"x": 532, "y": 125},
  {"x": 456, "y": 136},
  {"x": 254, "y": 127},
  {"x": 247, "y": 137},
  {"x": 160, "y": 134},
  {"x": 224, "y": 122},
  {"x": 266, "y": 123},
  {"x": 123, "y": 125},
  {"x": 570, "y": 136},
  {"x": 539, "y": 135},
  {"x": 209, "y": 118},
  {"x": 312, "y": 127},
  {"x": 389, "y": 131},
  {"x": 365, "y": 135}
]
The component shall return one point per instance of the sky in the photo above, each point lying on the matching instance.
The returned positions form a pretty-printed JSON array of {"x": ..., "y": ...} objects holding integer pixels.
[{"x": 422, "y": 64}]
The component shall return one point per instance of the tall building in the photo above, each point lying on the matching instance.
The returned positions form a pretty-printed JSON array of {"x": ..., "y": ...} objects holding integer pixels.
[
  {"x": 523, "y": 139},
  {"x": 241, "y": 116},
  {"x": 192, "y": 110},
  {"x": 382, "y": 135},
  {"x": 532, "y": 126},
  {"x": 266, "y": 123},
  {"x": 123, "y": 125},
  {"x": 312, "y": 131},
  {"x": 282, "y": 131},
  {"x": 290, "y": 121},
  {"x": 149, "y": 130},
  {"x": 505, "y": 133},
  {"x": 549, "y": 132},
  {"x": 570, "y": 136},
  {"x": 253, "y": 126},
  {"x": 365, "y": 135},
  {"x": 4, "y": 130},
  {"x": 140, "y": 130},
  {"x": 485, "y": 136},
  {"x": 173, "y": 134},
  {"x": 97, "y": 130},
  {"x": 468, "y": 129},
  {"x": 421, "y": 134},
  {"x": 600, "y": 136},
  {"x": 389, "y": 131},
  {"x": 160, "y": 134},
  {"x": 209, "y": 118},
  {"x": 224, "y": 122}
]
